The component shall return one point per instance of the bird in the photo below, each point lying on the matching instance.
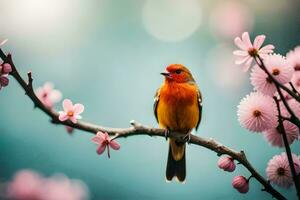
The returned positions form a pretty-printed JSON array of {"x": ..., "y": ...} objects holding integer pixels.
[{"x": 177, "y": 107}]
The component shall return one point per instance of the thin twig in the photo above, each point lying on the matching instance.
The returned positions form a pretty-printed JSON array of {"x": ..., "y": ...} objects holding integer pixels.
[
  {"x": 288, "y": 149},
  {"x": 293, "y": 88},
  {"x": 139, "y": 129}
]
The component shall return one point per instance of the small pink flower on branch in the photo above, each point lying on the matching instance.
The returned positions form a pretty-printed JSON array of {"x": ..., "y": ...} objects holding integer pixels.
[
  {"x": 241, "y": 184},
  {"x": 71, "y": 112},
  {"x": 69, "y": 129},
  {"x": 274, "y": 136},
  {"x": 279, "y": 69},
  {"x": 296, "y": 80},
  {"x": 103, "y": 140},
  {"x": 293, "y": 58},
  {"x": 257, "y": 112},
  {"x": 294, "y": 105},
  {"x": 48, "y": 95},
  {"x": 260, "y": 81},
  {"x": 226, "y": 163},
  {"x": 5, "y": 68},
  {"x": 249, "y": 51},
  {"x": 278, "y": 170},
  {"x": 3, "y": 81}
]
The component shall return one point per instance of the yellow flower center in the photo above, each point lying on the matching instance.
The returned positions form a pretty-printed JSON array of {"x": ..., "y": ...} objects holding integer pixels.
[{"x": 70, "y": 113}]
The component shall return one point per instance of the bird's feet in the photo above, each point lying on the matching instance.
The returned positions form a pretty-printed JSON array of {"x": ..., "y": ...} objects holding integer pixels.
[
  {"x": 187, "y": 137},
  {"x": 167, "y": 134}
]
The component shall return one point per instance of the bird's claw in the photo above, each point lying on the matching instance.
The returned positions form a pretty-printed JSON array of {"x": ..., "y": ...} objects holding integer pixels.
[
  {"x": 187, "y": 138},
  {"x": 167, "y": 134}
]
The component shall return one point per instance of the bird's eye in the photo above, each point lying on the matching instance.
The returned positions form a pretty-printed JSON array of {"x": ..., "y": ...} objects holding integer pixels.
[{"x": 178, "y": 71}]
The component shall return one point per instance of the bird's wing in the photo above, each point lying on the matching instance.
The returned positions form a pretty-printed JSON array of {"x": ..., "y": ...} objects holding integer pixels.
[
  {"x": 199, "y": 106},
  {"x": 156, "y": 100}
]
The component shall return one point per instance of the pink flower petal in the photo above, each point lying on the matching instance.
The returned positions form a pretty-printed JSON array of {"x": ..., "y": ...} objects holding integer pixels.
[
  {"x": 73, "y": 119},
  {"x": 48, "y": 86},
  {"x": 240, "y": 53},
  {"x": 101, "y": 148},
  {"x": 6, "y": 68},
  {"x": 101, "y": 135},
  {"x": 62, "y": 116},
  {"x": 246, "y": 40},
  {"x": 97, "y": 139},
  {"x": 238, "y": 42},
  {"x": 258, "y": 41},
  {"x": 55, "y": 96},
  {"x": 241, "y": 60},
  {"x": 106, "y": 136},
  {"x": 113, "y": 144},
  {"x": 78, "y": 108},
  {"x": 268, "y": 48},
  {"x": 247, "y": 64},
  {"x": 67, "y": 105},
  {"x": 4, "y": 81}
]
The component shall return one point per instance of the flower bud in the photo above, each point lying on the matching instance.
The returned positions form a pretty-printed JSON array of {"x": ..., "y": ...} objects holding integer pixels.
[
  {"x": 226, "y": 163},
  {"x": 4, "y": 81},
  {"x": 6, "y": 68},
  {"x": 240, "y": 183}
]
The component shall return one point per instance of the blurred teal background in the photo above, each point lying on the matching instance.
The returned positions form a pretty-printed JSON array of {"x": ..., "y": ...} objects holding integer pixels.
[{"x": 108, "y": 56}]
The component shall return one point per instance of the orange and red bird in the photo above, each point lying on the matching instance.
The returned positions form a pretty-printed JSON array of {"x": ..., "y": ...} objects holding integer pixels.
[{"x": 177, "y": 107}]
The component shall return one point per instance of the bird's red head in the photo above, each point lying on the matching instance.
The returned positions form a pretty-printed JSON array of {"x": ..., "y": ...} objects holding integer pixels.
[{"x": 177, "y": 73}]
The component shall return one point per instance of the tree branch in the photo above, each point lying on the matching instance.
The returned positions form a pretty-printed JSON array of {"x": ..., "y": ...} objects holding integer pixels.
[
  {"x": 288, "y": 149},
  {"x": 139, "y": 129}
]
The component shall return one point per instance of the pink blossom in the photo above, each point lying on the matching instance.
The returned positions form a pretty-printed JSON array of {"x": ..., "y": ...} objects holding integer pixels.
[
  {"x": 4, "y": 81},
  {"x": 69, "y": 129},
  {"x": 71, "y": 111},
  {"x": 261, "y": 82},
  {"x": 103, "y": 140},
  {"x": 240, "y": 183},
  {"x": 278, "y": 170},
  {"x": 279, "y": 68},
  {"x": 249, "y": 51},
  {"x": 274, "y": 137},
  {"x": 294, "y": 105},
  {"x": 26, "y": 185},
  {"x": 48, "y": 95},
  {"x": 5, "y": 68},
  {"x": 296, "y": 80},
  {"x": 29, "y": 185},
  {"x": 286, "y": 95},
  {"x": 226, "y": 163},
  {"x": 60, "y": 187},
  {"x": 257, "y": 112},
  {"x": 293, "y": 58}
]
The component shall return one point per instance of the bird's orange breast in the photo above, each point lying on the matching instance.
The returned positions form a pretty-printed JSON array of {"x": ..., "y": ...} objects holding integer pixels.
[{"x": 178, "y": 109}]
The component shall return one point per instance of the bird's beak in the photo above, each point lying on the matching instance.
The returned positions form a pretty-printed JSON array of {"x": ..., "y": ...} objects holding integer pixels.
[{"x": 166, "y": 74}]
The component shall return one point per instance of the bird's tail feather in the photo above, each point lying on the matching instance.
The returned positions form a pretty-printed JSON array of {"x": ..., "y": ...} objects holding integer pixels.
[{"x": 176, "y": 161}]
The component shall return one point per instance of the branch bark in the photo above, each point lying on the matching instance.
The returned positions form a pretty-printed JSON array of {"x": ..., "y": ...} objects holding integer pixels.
[{"x": 139, "y": 129}]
